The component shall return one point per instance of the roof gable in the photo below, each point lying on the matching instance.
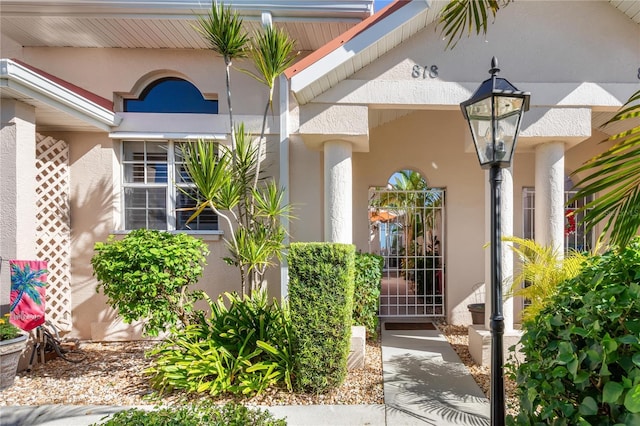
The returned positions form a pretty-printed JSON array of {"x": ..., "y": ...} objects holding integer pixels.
[{"x": 365, "y": 43}]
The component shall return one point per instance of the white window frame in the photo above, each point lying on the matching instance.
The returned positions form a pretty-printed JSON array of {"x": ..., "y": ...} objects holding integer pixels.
[{"x": 170, "y": 186}]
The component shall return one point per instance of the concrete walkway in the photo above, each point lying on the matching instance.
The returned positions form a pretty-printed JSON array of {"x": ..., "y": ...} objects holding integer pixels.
[{"x": 425, "y": 383}]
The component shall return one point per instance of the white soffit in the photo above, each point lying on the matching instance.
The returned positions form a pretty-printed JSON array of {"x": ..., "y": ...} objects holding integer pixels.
[
  {"x": 164, "y": 136},
  {"x": 364, "y": 48},
  {"x": 57, "y": 107},
  {"x": 631, "y": 8},
  {"x": 167, "y": 23}
]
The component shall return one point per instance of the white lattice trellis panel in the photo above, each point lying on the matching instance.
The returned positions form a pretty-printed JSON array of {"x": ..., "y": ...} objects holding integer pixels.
[{"x": 53, "y": 226}]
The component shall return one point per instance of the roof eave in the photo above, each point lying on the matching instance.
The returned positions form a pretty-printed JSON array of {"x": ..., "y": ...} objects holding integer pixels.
[
  {"x": 18, "y": 78},
  {"x": 347, "y": 9}
]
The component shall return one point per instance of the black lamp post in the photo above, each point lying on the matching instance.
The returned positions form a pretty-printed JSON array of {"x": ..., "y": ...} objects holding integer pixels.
[{"x": 494, "y": 113}]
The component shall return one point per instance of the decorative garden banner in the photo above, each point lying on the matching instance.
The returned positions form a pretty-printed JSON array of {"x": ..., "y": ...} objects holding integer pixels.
[{"x": 28, "y": 281}]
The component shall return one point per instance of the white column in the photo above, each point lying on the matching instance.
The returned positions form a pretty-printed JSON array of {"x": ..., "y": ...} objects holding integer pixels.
[
  {"x": 17, "y": 187},
  {"x": 338, "y": 227},
  {"x": 506, "y": 262},
  {"x": 284, "y": 178},
  {"x": 549, "y": 201}
]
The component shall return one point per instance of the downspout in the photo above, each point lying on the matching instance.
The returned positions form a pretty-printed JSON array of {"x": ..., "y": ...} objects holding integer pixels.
[{"x": 284, "y": 178}]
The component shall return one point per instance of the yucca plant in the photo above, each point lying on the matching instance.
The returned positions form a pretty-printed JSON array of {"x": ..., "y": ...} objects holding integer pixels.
[
  {"x": 542, "y": 270},
  {"x": 222, "y": 28},
  {"x": 229, "y": 180},
  {"x": 271, "y": 53}
]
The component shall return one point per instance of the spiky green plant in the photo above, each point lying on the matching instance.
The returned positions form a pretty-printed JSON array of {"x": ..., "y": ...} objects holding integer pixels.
[
  {"x": 271, "y": 53},
  {"x": 252, "y": 214},
  {"x": 222, "y": 28},
  {"x": 228, "y": 180},
  {"x": 542, "y": 269}
]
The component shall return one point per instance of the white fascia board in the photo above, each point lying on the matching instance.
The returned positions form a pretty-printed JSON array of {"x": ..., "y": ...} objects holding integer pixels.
[
  {"x": 34, "y": 85},
  {"x": 353, "y": 47},
  {"x": 354, "y": 9},
  {"x": 164, "y": 136}
]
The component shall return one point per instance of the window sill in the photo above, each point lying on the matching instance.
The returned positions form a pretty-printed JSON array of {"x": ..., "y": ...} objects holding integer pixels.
[{"x": 204, "y": 235}]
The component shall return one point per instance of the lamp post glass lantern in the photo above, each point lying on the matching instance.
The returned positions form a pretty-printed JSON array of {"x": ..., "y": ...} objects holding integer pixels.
[{"x": 494, "y": 114}]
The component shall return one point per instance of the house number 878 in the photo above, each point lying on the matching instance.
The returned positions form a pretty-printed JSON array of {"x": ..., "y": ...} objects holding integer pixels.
[{"x": 424, "y": 72}]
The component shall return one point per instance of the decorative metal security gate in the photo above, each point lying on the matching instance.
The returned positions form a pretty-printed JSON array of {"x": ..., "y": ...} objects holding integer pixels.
[{"x": 406, "y": 227}]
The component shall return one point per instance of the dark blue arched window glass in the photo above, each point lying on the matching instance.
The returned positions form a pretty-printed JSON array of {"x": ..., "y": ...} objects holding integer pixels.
[{"x": 171, "y": 95}]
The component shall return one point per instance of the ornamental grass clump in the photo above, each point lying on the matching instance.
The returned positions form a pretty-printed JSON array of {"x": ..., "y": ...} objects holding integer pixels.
[{"x": 582, "y": 350}]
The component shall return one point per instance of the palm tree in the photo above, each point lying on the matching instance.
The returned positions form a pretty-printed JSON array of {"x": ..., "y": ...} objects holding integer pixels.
[
  {"x": 615, "y": 172},
  {"x": 26, "y": 281}
]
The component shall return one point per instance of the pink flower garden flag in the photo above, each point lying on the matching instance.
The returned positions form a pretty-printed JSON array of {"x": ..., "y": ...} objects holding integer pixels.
[{"x": 28, "y": 281}]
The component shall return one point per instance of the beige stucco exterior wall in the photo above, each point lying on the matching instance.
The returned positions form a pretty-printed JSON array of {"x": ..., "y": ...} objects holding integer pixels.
[
  {"x": 94, "y": 215},
  {"x": 106, "y": 72},
  {"x": 534, "y": 41},
  {"x": 93, "y": 160}
]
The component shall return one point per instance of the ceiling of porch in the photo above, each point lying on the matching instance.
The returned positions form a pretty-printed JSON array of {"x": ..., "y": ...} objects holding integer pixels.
[{"x": 167, "y": 24}]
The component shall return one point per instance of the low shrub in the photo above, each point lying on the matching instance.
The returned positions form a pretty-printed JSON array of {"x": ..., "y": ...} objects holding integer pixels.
[
  {"x": 196, "y": 415},
  {"x": 241, "y": 349},
  {"x": 366, "y": 292},
  {"x": 582, "y": 351},
  {"x": 146, "y": 276},
  {"x": 321, "y": 279}
]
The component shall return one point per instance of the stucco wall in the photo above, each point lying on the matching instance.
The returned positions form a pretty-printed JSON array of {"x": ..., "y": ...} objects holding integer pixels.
[
  {"x": 535, "y": 41},
  {"x": 106, "y": 72},
  {"x": 94, "y": 215}
]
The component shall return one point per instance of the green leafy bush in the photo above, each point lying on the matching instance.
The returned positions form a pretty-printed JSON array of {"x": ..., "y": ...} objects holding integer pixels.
[
  {"x": 366, "y": 292},
  {"x": 196, "y": 415},
  {"x": 321, "y": 277},
  {"x": 582, "y": 364},
  {"x": 146, "y": 276},
  {"x": 241, "y": 349}
]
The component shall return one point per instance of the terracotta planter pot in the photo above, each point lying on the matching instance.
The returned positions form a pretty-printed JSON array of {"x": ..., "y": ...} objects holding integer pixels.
[{"x": 10, "y": 351}]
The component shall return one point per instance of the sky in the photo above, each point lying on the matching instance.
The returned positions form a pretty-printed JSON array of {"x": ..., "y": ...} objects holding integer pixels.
[{"x": 379, "y": 4}]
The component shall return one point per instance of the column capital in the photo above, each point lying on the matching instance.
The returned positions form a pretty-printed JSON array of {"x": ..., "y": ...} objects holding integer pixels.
[
  {"x": 320, "y": 123},
  {"x": 541, "y": 125}
]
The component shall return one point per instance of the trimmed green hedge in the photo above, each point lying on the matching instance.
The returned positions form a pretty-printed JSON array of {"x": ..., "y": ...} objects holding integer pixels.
[
  {"x": 321, "y": 277},
  {"x": 366, "y": 293}
]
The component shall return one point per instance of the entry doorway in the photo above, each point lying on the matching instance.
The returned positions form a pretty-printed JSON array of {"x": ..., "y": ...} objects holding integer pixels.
[{"x": 406, "y": 227}]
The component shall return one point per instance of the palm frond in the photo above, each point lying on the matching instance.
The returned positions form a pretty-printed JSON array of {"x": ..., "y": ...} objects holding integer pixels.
[
  {"x": 459, "y": 16},
  {"x": 541, "y": 270},
  {"x": 613, "y": 179}
]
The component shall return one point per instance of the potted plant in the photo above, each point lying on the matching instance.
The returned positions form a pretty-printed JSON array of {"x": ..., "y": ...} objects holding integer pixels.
[{"x": 12, "y": 343}]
